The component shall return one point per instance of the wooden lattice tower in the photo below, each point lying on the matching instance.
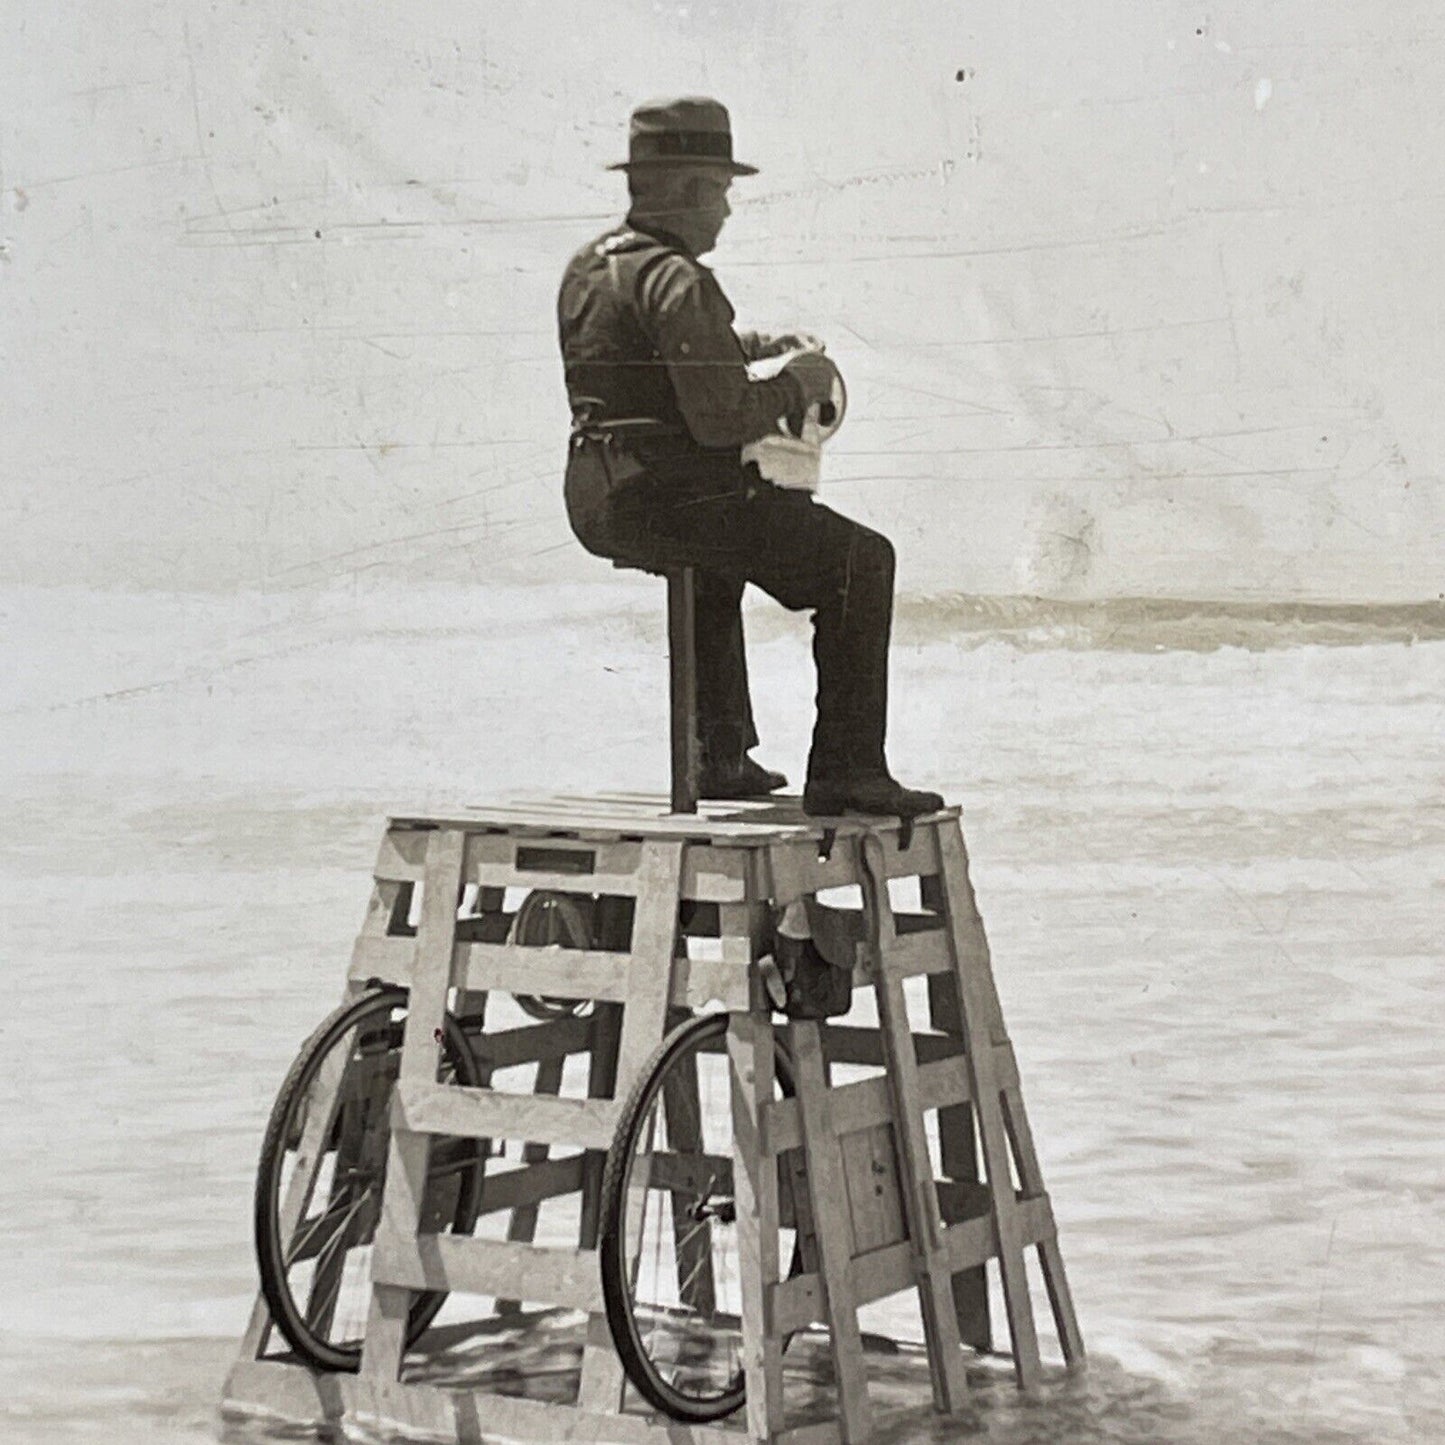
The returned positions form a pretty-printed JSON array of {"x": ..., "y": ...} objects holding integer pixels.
[{"x": 702, "y": 892}]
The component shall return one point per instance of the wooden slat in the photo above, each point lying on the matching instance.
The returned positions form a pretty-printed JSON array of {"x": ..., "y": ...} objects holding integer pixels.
[
  {"x": 534, "y": 1043},
  {"x": 546, "y": 972},
  {"x": 522, "y": 821},
  {"x": 495, "y": 1267},
  {"x": 716, "y": 875},
  {"x": 604, "y": 1032},
  {"x": 958, "y": 1140},
  {"x": 973, "y": 1242},
  {"x": 669, "y": 1170},
  {"x": 627, "y": 805},
  {"x": 1061, "y": 1300},
  {"x": 826, "y": 1190},
  {"x": 883, "y": 1272},
  {"x": 913, "y": 954},
  {"x": 919, "y": 1197},
  {"x": 504, "y": 967},
  {"x": 272, "y": 1390},
  {"x": 741, "y": 927},
  {"x": 791, "y": 803},
  {"x": 798, "y": 870},
  {"x": 865, "y": 1102},
  {"x": 504, "y": 875},
  {"x": 428, "y": 1108},
  {"x": 983, "y": 1024},
  {"x": 733, "y": 823},
  {"x": 408, "y": 1154},
  {"x": 857, "y": 1044},
  {"x": 700, "y": 982},
  {"x": 696, "y": 982},
  {"x": 389, "y": 959},
  {"x": 875, "y": 1202},
  {"x": 611, "y": 854},
  {"x": 650, "y": 977},
  {"x": 402, "y": 856},
  {"x": 796, "y": 1302},
  {"x": 755, "y": 1179},
  {"x": 531, "y": 1184}
]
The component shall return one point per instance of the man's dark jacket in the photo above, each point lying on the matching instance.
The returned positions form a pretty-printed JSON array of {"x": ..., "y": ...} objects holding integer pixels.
[{"x": 647, "y": 333}]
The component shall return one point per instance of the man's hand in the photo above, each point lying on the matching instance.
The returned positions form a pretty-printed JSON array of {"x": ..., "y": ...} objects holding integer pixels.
[
  {"x": 759, "y": 345},
  {"x": 794, "y": 341}
]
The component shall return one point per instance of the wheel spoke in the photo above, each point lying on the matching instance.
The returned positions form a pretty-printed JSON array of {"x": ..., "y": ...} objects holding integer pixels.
[
  {"x": 330, "y": 1270},
  {"x": 304, "y": 1238}
]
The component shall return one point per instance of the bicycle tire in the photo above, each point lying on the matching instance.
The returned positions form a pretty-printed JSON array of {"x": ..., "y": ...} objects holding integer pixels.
[
  {"x": 367, "y": 1017},
  {"x": 545, "y": 918},
  {"x": 617, "y": 1294}
]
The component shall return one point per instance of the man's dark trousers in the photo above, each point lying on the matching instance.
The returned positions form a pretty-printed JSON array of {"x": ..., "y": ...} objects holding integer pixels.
[{"x": 800, "y": 552}]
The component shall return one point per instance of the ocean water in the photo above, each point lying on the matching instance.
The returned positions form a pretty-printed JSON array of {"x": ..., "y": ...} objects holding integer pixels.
[{"x": 1208, "y": 844}]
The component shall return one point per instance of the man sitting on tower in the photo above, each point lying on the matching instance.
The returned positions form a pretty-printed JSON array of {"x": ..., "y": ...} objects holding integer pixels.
[{"x": 662, "y": 405}]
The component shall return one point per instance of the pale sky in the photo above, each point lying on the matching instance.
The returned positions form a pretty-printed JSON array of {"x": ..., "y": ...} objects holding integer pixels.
[{"x": 1131, "y": 298}]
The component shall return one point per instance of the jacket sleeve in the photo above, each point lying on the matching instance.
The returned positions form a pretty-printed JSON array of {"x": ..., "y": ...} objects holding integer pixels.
[
  {"x": 689, "y": 322},
  {"x": 755, "y": 345}
]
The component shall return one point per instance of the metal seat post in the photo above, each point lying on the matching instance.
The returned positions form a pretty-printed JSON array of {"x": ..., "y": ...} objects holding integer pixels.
[{"x": 682, "y": 683}]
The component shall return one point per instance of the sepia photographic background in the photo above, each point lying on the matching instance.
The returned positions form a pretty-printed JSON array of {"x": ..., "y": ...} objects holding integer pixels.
[{"x": 1140, "y": 310}]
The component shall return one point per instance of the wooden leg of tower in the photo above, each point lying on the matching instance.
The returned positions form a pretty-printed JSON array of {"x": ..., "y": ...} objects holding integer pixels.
[
  {"x": 755, "y": 1199},
  {"x": 601, "y": 1084},
  {"x": 827, "y": 1192},
  {"x": 915, "y": 1168},
  {"x": 982, "y": 1020},
  {"x": 1031, "y": 1176},
  {"x": 408, "y": 1153},
  {"x": 644, "y": 1018},
  {"x": 958, "y": 1149}
]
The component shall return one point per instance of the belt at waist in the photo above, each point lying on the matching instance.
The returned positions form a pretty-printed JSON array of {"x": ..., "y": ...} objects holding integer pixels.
[{"x": 624, "y": 428}]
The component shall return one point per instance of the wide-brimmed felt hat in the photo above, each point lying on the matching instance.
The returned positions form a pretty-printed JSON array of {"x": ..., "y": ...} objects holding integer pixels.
[{"x": 684, "y": 130}]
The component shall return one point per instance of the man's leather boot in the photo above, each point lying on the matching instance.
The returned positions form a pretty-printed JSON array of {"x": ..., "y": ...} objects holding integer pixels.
[
  {"x": 873, "y": 793},
  {"x": 746, "y": 779}
]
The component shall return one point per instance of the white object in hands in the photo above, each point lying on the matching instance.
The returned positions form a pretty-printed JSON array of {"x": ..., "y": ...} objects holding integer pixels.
[{"x": 782, "y": 458}]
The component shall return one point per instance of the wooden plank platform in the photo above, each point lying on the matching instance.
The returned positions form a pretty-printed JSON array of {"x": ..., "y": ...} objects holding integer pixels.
[{"x": 611, "y": 815}]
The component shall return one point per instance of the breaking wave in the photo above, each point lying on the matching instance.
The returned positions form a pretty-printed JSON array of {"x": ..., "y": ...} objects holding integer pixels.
[{"x": 1152, "y": 624}]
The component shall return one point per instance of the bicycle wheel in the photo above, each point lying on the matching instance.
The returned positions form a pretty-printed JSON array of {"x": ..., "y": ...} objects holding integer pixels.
[
  {"x": 323, "y": 1165},
  {"x": 668, "y": 1242},
  {"x": 547, "y": 919}
]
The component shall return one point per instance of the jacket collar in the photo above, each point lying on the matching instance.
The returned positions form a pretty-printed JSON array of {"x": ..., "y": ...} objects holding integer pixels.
[{"x": 659, "y": 233}]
